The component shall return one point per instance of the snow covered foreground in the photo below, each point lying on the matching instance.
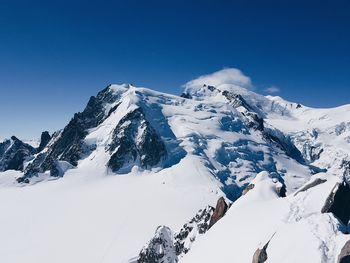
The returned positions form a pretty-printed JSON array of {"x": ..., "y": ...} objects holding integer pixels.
[
  {"x": 214, "y": 144},
  {"x": 293, "y": 227}
]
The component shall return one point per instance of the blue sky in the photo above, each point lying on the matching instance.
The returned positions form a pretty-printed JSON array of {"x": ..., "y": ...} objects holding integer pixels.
[{"x": 55, "y": 54}]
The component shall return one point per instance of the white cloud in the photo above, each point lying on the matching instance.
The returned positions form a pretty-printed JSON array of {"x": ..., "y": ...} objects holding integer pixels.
[
  {"x": 273, "y": 89},
  {"x": 231, "y": 76}
]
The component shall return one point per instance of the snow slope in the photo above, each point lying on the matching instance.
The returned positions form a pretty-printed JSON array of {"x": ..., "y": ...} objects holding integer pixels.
[
  {"x": 294, "y": 227},
  {"x": 322, "y": 135},
  {"x": 90, "y": 217},
  {"x": 88, "y": 213}
]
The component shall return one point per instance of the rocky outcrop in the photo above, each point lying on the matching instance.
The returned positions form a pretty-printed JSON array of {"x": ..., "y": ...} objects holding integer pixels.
[
  {"x": 236, "y": 100},
  {"x": 198, "y": 225},
  {"x": 167, "y": 246},
  {"x": 248, "y": 188},
  {"x": 160, "y": 248},
  {"x": 219, "y": 212},
  {"x": 280, "y": 188},
  {"x": 13, "y": 154},
  {"x": 44, "y": 140},
  {"x": 186, "y": 95},
  {"x": 338, "y": 202},
  {"x": 135, "y": 141},
  {"x": 283, "y": 142},
  {"x": 315, "y": 153},
  {"x": 260, "y": 255},
  {"x": 252, "y": 118},
  {"x": 344, "y": 256},
  {"x": 253, "y": 121}
]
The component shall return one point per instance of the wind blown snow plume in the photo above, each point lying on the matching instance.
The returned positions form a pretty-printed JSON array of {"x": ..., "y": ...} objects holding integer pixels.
[
  {"x": 230, "y": 76},
  {"x": 273, "y": 89}
]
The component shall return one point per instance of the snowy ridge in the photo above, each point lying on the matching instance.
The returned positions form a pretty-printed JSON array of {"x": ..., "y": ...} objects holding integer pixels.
[{"x": 132, "y": 168}]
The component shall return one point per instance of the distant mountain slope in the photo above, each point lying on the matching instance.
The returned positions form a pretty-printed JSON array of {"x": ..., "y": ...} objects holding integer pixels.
[
  {"x": 137, "y": 165},
  {"x": 125, "y": 127}
]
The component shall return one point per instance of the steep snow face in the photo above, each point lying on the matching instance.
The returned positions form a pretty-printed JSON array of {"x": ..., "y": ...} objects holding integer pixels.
[
  {"x": 321, "y": 135},
  {"x": 291, "y": 229}
]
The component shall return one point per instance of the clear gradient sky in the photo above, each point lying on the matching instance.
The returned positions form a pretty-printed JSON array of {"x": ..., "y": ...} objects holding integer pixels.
[{"x": 55, "y": 54}]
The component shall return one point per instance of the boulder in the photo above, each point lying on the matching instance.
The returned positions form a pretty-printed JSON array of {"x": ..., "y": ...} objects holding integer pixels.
[
  {"x": 344, "y": 256},
  {"x": 260, "y": 255},
  {"x": 338, "y": 202},
  {"x": 219, "y": 212}
]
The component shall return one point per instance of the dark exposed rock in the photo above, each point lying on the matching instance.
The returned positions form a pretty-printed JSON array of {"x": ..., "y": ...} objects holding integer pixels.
[
  {"x": 113, "y": 109},
  {"x": 236, "y": 100},
  {"x": 160, "y": 249},
  {"x": 186, "y": 95},
  {"x": 283, "y": 142},
  {"x": 260, "y": 255},
  {"x": 344, "y": 256},
  {"x": 13, "y": 154},
  {"x": 211, "y": 88},
  {"x": 134, "y": 139},
  {"x": 338, "y": 202},
  {"x": 254, "y": 121},
  {"x": 168, "y": 247},
  {"x": 314, "y": 183},
  {"x": 248, "y": 188},
  {"x": 315, "y": 153},
  {"x": 281, "y": 189},
  {"x": 44, "y": 140},
  {"x": 197, "y": 225},
  {"x": 219, "y": 212}
]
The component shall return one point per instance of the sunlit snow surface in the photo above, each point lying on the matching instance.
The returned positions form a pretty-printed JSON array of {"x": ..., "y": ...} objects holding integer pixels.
[
  {"x": 93, "y": 215},
  {"x": 294, "y": 225}
]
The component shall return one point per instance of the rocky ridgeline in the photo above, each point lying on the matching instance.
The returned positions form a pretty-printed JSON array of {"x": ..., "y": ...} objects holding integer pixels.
[
  {"x": 14, "y": 153},
  {"x": 254, "y": 119},
  {"x": 168, "y": 247},
  {"x": 69, "y": 146},
  {"x": 135, "y": 140}
]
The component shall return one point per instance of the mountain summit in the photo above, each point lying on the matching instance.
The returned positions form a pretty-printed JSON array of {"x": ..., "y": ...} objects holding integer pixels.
[{"x": 137, "y": 175}]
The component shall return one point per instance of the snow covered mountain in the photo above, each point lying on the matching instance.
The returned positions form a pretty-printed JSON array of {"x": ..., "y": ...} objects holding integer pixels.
[{"x": 217, "y": 174}]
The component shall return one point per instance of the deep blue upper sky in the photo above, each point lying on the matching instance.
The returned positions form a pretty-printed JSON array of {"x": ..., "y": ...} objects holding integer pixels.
[{"x": 55, "y": 54}]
